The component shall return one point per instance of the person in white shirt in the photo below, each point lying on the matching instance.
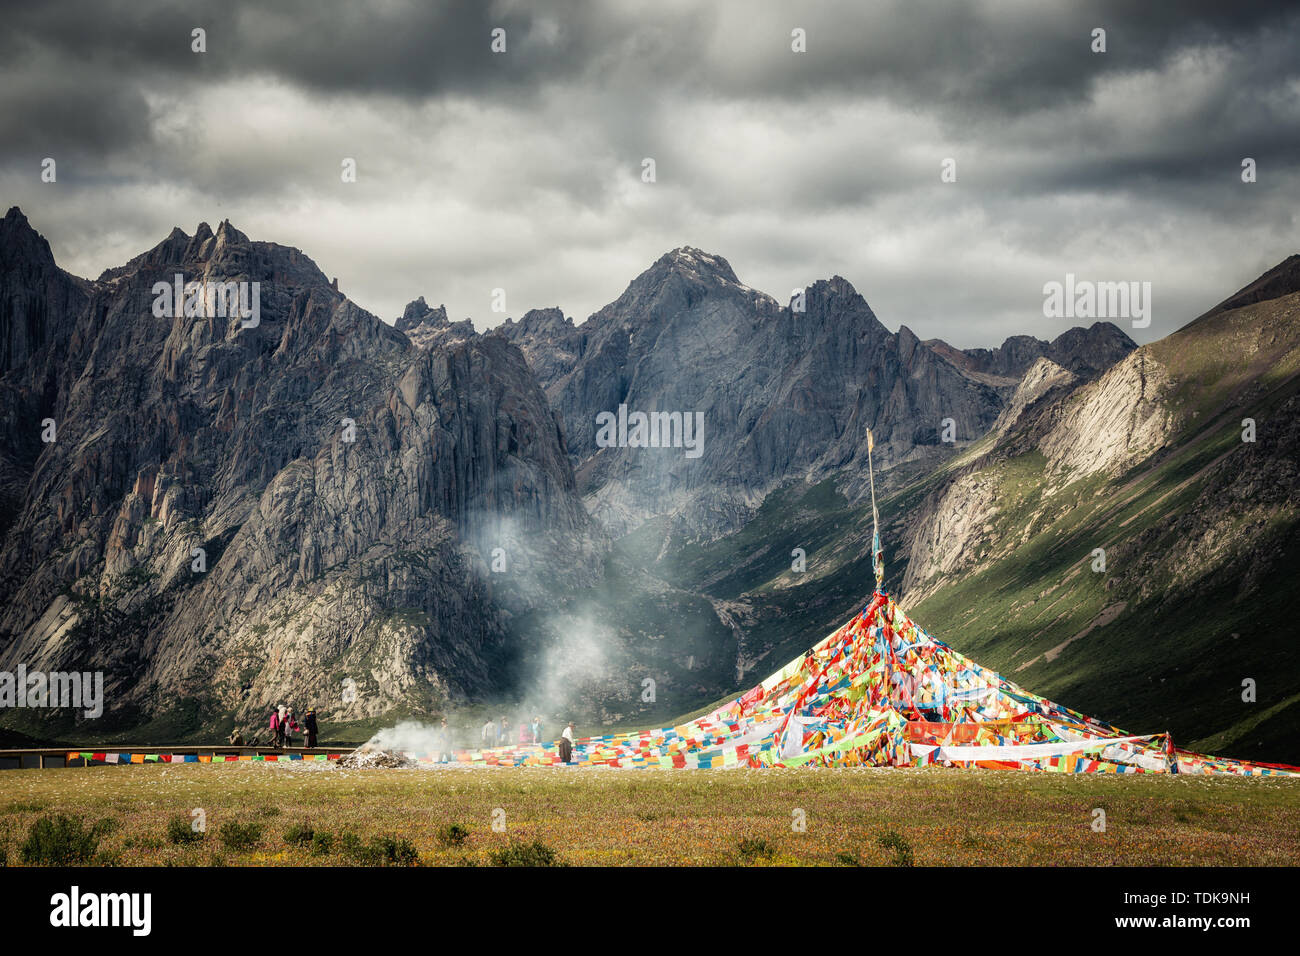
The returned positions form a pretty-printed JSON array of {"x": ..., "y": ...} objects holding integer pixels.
[
  {"x": 566, "y": 744},
  {"x": 489, "y": 734}
]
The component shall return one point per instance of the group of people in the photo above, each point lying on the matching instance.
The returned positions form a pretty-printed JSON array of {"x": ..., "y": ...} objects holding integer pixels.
[
  {"x": 499, "y": 734},
  {"x": 284, "y": 725}
]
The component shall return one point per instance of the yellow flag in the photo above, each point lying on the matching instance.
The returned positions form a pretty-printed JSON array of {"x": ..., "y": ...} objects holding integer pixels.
[{"x": 871, "y": 441}]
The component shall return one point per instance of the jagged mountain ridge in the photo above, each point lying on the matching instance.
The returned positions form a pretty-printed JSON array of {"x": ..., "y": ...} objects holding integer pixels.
[
  {"x": 366, "y": 559},
  {"x": 430, "y": 328},
  {"x": 786, "y": 393},
  {"x": 330, "y": 554},
  {"x": 1084, "y": 352}
]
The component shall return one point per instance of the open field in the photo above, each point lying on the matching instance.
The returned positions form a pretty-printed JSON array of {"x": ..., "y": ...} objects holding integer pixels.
[{"x": 611, "y": 817}]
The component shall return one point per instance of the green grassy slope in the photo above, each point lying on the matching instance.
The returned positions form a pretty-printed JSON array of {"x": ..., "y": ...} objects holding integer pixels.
[{"x": 1198, "y": 593}]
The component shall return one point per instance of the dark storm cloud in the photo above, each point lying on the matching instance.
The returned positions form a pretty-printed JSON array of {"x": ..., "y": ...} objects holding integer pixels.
[
  {"x": 994, "y": 58},
  {"x": 522, "y": 170},
  {"x": 414, "y": 49}
]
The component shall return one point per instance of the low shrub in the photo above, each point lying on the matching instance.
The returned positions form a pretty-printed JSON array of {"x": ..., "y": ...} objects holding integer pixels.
[
  {"x": 181, "y": 832},
  {"x": 453, "y": 834},
  {"x": 381, "y": 851},
  {"x": 518, "y": 853},
  {"x": 321, "y": 843},
  {"x": 300, "y": 834},
  {"x": 62, "y": 841},
  {"x": 240, "y": 836}
]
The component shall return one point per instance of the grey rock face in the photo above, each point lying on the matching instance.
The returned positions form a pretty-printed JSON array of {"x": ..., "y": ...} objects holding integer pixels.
[
  {"x": 430, "y": 328},
  {"x": 1043, "y": 379},
  {"x": 550, "y": 342},
  {"x": 344, "y": 486},
  {"x": 784, "y": 393}
]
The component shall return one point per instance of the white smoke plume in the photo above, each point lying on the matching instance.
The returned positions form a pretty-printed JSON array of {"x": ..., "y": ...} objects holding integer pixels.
[
  {"x": 410, "y": 736},
  {"x": 574, "y": 661}
]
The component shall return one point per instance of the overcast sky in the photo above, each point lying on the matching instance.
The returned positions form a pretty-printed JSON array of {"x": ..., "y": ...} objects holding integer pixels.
[{"x": 523, "y": 170}]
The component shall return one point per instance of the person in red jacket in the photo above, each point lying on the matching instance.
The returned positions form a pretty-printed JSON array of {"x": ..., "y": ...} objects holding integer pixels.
[{"x": 291, "y": 728}]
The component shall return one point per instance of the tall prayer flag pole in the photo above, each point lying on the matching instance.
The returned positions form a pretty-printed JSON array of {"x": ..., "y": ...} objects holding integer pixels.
[{"x": 877, "y": 553}]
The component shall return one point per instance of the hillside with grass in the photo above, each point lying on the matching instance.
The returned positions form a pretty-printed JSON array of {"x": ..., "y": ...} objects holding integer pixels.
[{"x": 999, "y": 551}]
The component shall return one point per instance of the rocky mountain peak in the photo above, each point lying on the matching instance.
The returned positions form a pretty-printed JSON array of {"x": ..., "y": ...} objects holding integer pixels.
[
  {"x": 546, "y": 320},
  {"x": 1040, "y": 379},
  {"x": 226, "y": 254},
  {"x": 550, "y": 342},
  {"x": 226, "y": 233},
  {"x": 837, "y": 288},
  {"x": 681, "y": 277},
  {"x": 20, "y": 244},
  {"x": 696, "y": 263},
  {"x": 418, "y": 313},
  {"x": 1090, "y": 351},
  {"x": 836, "y": 301},
  {"x": 37, "y": 302},
  {"x": 430, "y": 328}
]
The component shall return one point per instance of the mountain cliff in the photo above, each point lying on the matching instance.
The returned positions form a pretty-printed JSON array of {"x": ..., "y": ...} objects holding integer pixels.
[
  {"x": 379, "y": 519},
  {"x": 782, "y": 392},
  {"x": 229, "y": 512}
]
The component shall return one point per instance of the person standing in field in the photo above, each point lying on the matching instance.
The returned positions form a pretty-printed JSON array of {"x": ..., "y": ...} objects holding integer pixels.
[
  {"x": 566, "y": 744},
  {"x": 444, "y": 742},
  {"x": 503, "y": 733},
  {"x": 489, "y": 734},
  {"x": 537, "y": 730},
  {"x": 309, "y": 724}
]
